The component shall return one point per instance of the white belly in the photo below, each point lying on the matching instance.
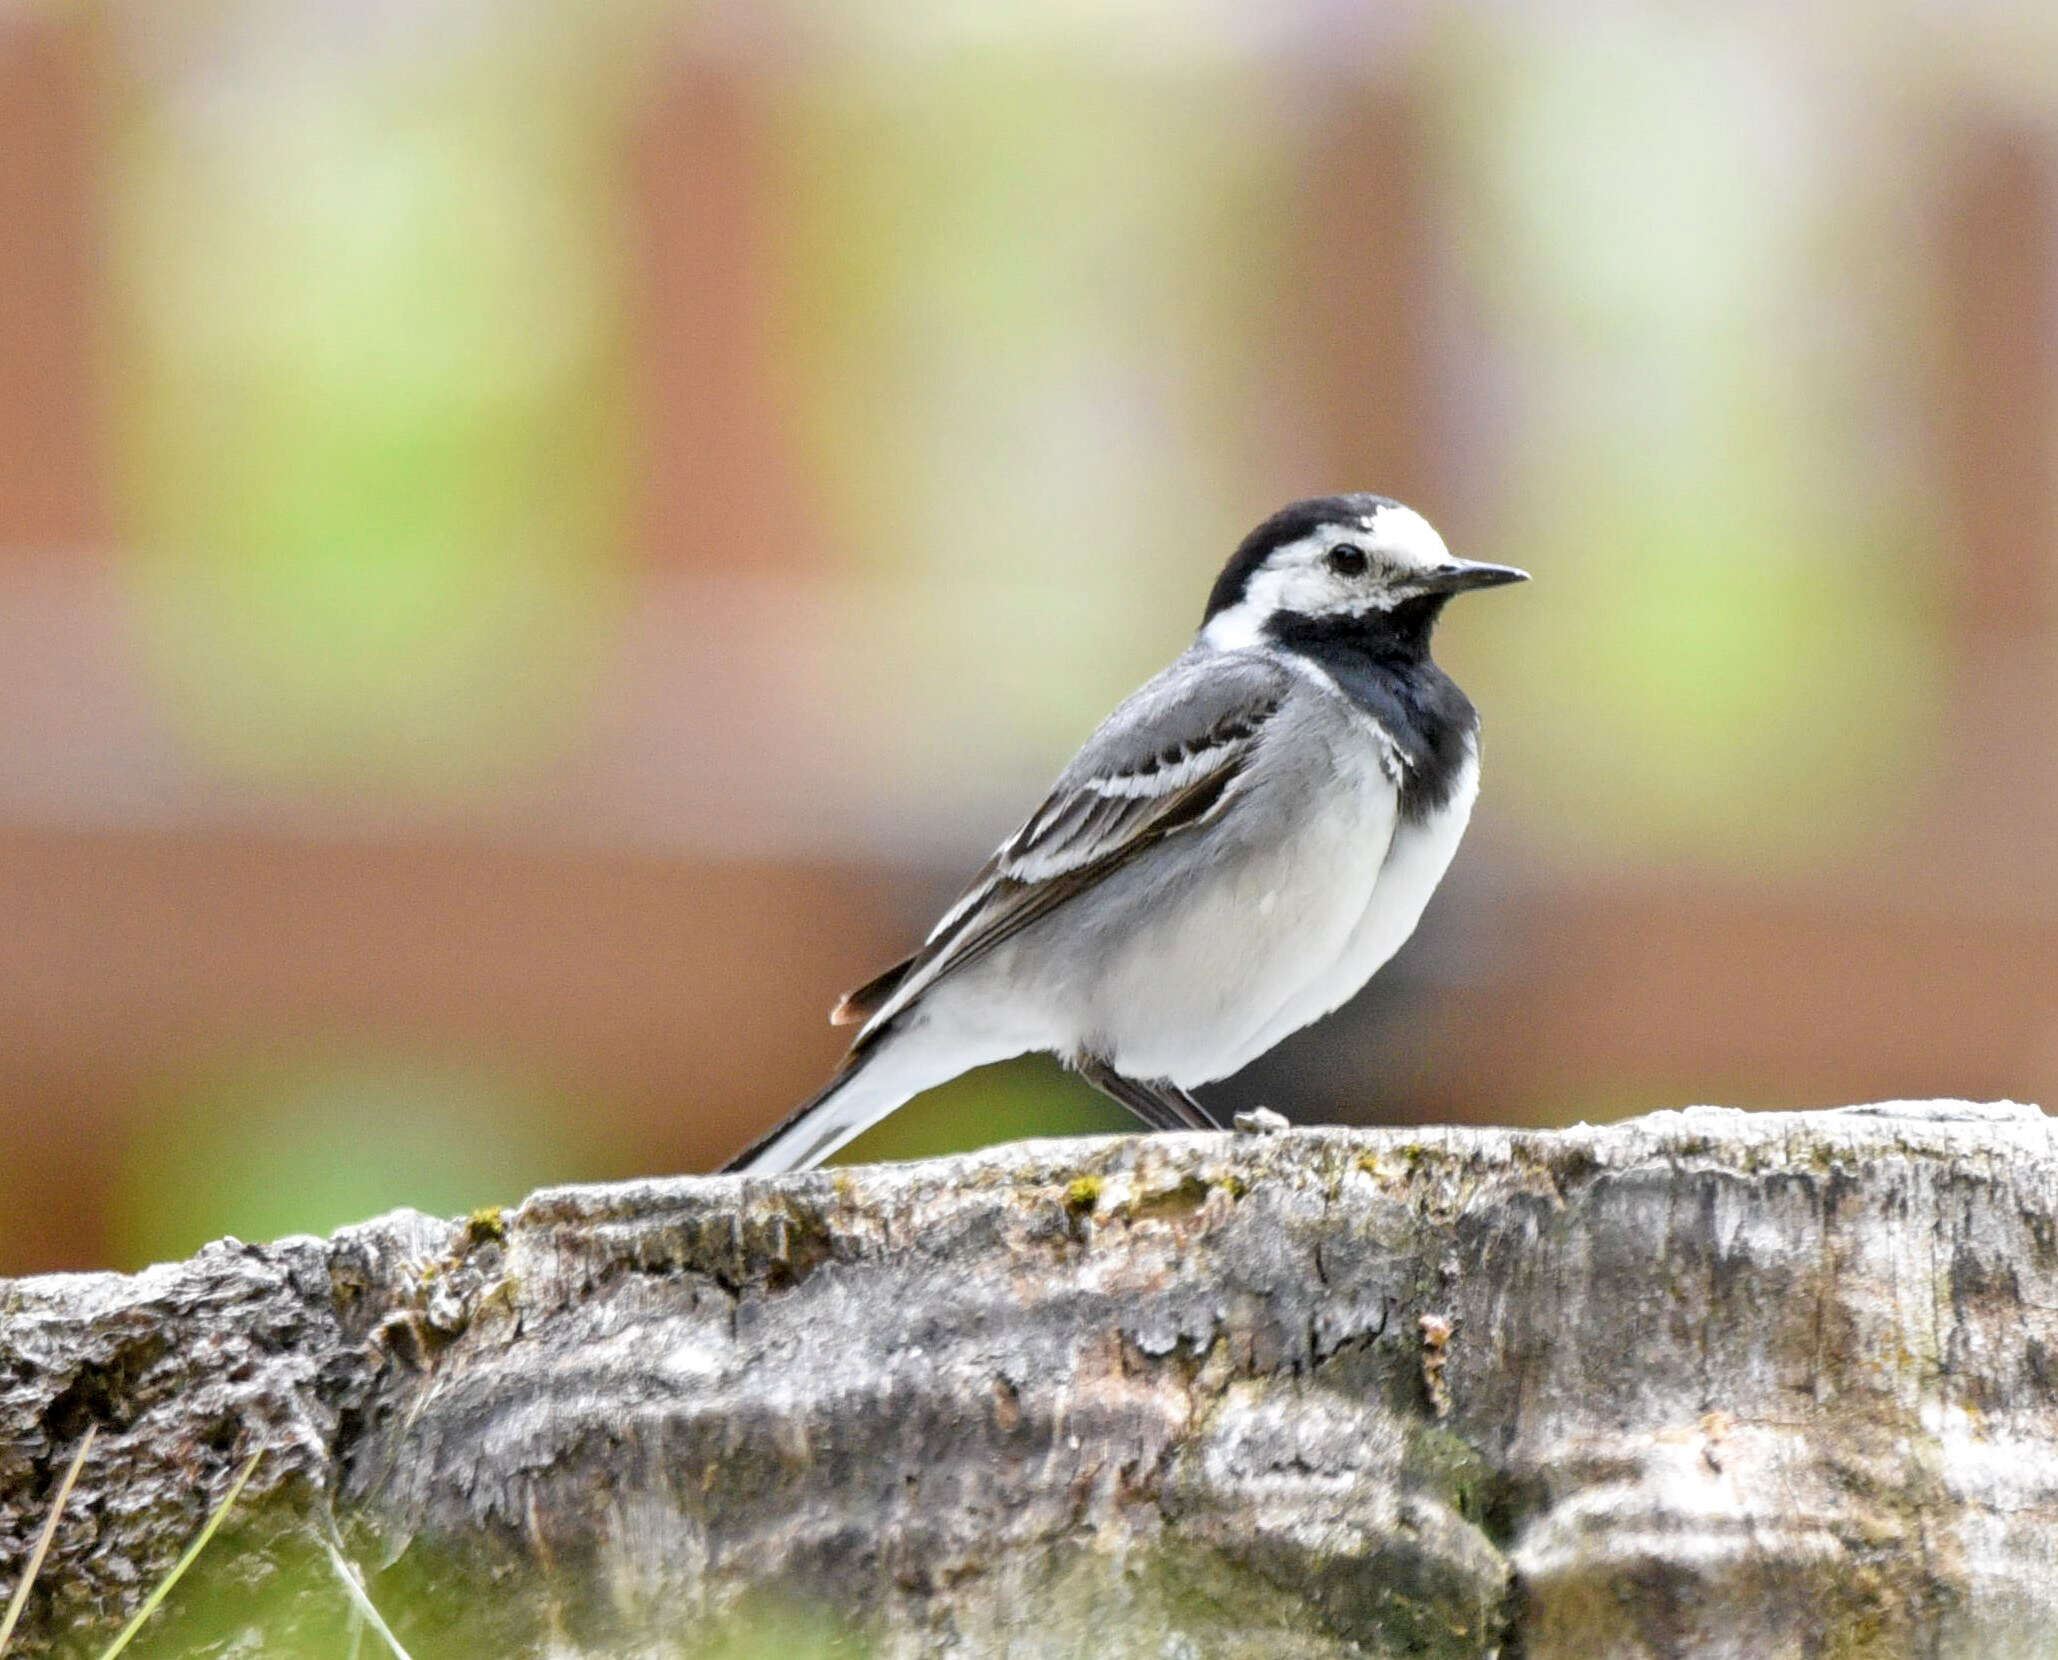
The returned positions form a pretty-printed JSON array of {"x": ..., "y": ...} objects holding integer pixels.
[
  {"x": 1194, "y": 994},
  {"x": 1415, "y": 863}
]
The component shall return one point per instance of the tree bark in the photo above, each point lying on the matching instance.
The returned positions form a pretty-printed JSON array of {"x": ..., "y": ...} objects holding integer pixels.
[{"x": 1706, "y": 1383}]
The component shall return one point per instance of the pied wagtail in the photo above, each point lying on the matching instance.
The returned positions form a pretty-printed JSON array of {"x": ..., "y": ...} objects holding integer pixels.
[{"x": 1231, "y": 856}]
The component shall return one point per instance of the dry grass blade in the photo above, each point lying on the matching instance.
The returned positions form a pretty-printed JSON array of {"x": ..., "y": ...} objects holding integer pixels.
[
  {"x": 362, "y": 1601},
  {"x": 19, "y": 1601},
  {"x": 184, "y": 1562}
]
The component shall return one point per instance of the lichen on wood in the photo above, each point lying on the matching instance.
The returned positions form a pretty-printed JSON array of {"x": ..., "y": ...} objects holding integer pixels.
[{"x": 1704, "y": 1383}]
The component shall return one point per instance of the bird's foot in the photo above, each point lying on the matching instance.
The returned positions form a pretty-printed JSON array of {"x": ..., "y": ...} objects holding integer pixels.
[{"x": 1259, "y": 1121}]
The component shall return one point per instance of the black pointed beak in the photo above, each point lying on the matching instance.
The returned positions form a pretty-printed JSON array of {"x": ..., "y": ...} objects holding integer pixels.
[{"x": 1462, "y": 574}]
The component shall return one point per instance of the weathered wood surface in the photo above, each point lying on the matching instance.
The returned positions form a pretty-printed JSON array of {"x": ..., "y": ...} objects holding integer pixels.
[{"x": 1704, "y": 1384}]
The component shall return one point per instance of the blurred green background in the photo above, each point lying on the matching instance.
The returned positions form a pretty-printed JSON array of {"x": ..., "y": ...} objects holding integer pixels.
[{"x": 539, "y": 543}]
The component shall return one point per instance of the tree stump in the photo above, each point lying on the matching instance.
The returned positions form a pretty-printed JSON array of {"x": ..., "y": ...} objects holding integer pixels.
[{"x": 1702, "y": 1384}]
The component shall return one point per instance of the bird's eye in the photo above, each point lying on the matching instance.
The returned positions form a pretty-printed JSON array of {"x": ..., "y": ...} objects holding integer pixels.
[{"x": 1346, "y": 560}]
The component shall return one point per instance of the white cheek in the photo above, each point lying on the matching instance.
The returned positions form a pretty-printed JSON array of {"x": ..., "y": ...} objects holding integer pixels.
[
  {"x": 1301, "y": 589},
  {"x": 1312, "y": 591}
]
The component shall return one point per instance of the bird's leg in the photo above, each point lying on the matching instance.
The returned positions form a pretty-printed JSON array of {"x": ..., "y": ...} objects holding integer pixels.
[
  {"x": 1161, "y": 1105},
  {"x": 1128, "y": 1092},
  {"x": 1190, "y": 1111}
]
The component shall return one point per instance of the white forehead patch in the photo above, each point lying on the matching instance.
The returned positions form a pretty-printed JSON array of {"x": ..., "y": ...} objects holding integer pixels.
[{"x": 1409, "y": 541}]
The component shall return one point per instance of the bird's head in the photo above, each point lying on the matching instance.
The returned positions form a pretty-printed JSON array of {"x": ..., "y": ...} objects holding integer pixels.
[{"x": 1342, "y": 562}]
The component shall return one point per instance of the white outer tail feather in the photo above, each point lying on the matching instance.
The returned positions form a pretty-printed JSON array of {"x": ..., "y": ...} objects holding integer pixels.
[{"x": 902, "y": 1066}]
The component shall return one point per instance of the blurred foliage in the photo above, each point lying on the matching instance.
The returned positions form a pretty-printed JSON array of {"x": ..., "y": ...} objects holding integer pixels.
[
  {"x": 1029, "y": 1097},
  {"x": 262, "y": 1149},
  {"x": 995, "y": 266},
  {"x": 374, "y": 409},
  {"x": 267, "y": 1587},
  {"x": 1729, "y": 652}
]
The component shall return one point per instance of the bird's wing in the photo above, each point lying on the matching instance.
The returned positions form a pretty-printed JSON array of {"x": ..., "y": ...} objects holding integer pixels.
[{"x": 1169, "y": 759}]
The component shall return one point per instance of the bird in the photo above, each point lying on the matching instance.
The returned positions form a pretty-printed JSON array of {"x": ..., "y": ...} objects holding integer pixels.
[{"x": 1230, "y": 857}]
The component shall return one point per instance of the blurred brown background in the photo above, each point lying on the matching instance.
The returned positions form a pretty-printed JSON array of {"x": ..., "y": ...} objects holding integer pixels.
[{"x": 538, "y": 543}]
